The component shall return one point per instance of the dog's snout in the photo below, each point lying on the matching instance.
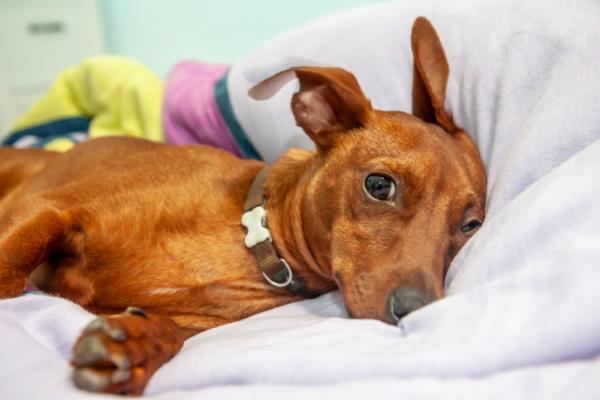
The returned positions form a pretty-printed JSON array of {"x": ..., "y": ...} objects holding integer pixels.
[{"x": 404, "y": 300}]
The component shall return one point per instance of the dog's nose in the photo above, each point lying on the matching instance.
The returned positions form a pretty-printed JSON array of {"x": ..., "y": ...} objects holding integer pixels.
[{"x": 404, "y": 300}]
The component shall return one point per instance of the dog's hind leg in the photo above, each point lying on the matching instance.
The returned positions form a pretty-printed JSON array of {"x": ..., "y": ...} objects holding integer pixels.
[
  {"x": 29, "y": 230},
  {"x": 27, "y": 227}
]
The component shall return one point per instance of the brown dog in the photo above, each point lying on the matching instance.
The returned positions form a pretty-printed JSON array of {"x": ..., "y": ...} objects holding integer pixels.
[{"x": 378, "y": 211}]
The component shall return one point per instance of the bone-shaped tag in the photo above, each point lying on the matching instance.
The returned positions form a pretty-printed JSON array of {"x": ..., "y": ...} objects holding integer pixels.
[{"x": 253, "y": 221}]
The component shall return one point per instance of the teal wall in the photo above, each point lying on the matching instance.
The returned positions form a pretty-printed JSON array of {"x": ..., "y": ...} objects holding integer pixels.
[{"x": 160, "y": 32}]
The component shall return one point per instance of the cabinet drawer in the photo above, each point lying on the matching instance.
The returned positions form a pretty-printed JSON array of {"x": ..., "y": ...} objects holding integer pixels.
[{"x": 38, "y": 39}]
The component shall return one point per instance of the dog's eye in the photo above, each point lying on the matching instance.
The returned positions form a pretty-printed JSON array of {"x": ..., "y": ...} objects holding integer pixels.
[
  {"x": 470, "y": 226},
  {"x": 380, "y": 187}
]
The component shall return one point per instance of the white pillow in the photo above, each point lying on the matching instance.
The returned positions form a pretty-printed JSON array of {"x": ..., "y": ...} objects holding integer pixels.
[{"x": 522, "y": 316}]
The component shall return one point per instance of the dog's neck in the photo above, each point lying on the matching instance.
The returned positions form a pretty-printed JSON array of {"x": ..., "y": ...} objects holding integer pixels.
[{"x": 284, "y": 193}]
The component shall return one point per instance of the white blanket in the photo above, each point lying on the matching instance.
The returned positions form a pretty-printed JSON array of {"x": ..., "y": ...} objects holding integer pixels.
[{"x": 522, "y": 315}]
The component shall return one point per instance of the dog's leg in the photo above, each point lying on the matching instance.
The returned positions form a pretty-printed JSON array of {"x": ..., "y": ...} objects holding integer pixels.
[
  {"x": 120, "y": 353},
  {"x": 27, "y": 233}
]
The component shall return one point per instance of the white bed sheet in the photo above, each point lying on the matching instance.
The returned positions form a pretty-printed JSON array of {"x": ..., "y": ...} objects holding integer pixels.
[{"x": 522, "y": 315}]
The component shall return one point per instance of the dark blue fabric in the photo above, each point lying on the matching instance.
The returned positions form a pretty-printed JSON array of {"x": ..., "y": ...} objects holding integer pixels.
[
  {"x": 224, "y": 104},
  {"x": 50, "y": 130}
]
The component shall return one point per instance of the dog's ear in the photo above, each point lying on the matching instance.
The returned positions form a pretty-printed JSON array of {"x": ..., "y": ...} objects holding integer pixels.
[
  {"x": 329, "y": 101},
  {"x": 430, "y": 75}
]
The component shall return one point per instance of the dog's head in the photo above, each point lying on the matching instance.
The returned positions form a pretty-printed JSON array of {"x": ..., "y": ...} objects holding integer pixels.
[{"x": 395, "y": 195}]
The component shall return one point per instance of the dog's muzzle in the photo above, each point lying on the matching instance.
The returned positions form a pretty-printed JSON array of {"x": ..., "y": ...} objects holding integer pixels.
[{"x": 404, "y": 300}]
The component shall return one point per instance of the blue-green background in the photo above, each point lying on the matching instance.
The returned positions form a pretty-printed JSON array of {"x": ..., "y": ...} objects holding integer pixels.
[{"x": 161, "y": 32}]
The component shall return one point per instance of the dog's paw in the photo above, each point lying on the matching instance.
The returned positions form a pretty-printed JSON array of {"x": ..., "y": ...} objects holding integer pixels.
[{"x": 119, "y": 353}]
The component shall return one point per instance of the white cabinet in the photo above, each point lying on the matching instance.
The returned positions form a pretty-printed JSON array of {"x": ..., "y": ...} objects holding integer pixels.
[{"x": 38, "y": 39}]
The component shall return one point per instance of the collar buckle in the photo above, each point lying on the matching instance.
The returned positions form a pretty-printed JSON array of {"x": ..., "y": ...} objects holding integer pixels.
[{"x": 279, "y": 275}]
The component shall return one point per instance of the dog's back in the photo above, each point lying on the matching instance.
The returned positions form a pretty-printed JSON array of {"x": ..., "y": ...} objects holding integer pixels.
[
  {"x": 19, "y": 165},
  {"x": 126, "y": 195}
]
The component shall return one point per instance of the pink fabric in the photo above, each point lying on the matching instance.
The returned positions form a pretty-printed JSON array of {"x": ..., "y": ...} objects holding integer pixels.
[{"x": 190, "y": 111}]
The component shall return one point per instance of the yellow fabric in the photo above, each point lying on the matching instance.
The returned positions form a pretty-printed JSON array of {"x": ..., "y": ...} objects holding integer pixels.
[
  {"x": 119, "y": 95},
  {"x": 60, "y": 144}
]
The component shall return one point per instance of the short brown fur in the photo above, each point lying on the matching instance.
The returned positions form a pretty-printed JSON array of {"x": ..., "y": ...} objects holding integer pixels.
[{"x": 117, "y": 222}]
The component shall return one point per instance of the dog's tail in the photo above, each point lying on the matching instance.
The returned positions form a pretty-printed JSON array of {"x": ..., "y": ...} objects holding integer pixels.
[{"x": 18, "y": 165}]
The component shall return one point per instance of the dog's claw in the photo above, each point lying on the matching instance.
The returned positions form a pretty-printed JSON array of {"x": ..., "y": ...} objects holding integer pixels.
[
  {"x": 91, "y": 380},
  {"x": 101, "y": 325},
  {"x": 90, "y": 349},
  {"x": 136, "y": 311},
  {"x": 117, "y": 334},
  {"x": 120, "y": 376},
  {"x": 98, "y": 325},
  {"x": 120, "y": 361}
]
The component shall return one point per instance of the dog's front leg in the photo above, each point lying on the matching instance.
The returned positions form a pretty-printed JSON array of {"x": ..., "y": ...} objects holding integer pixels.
[{"x": 120, "y": 353}]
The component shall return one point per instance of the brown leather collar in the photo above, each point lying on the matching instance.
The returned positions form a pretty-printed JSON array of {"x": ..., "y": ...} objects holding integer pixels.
[{"x": 258, "y": 240}]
